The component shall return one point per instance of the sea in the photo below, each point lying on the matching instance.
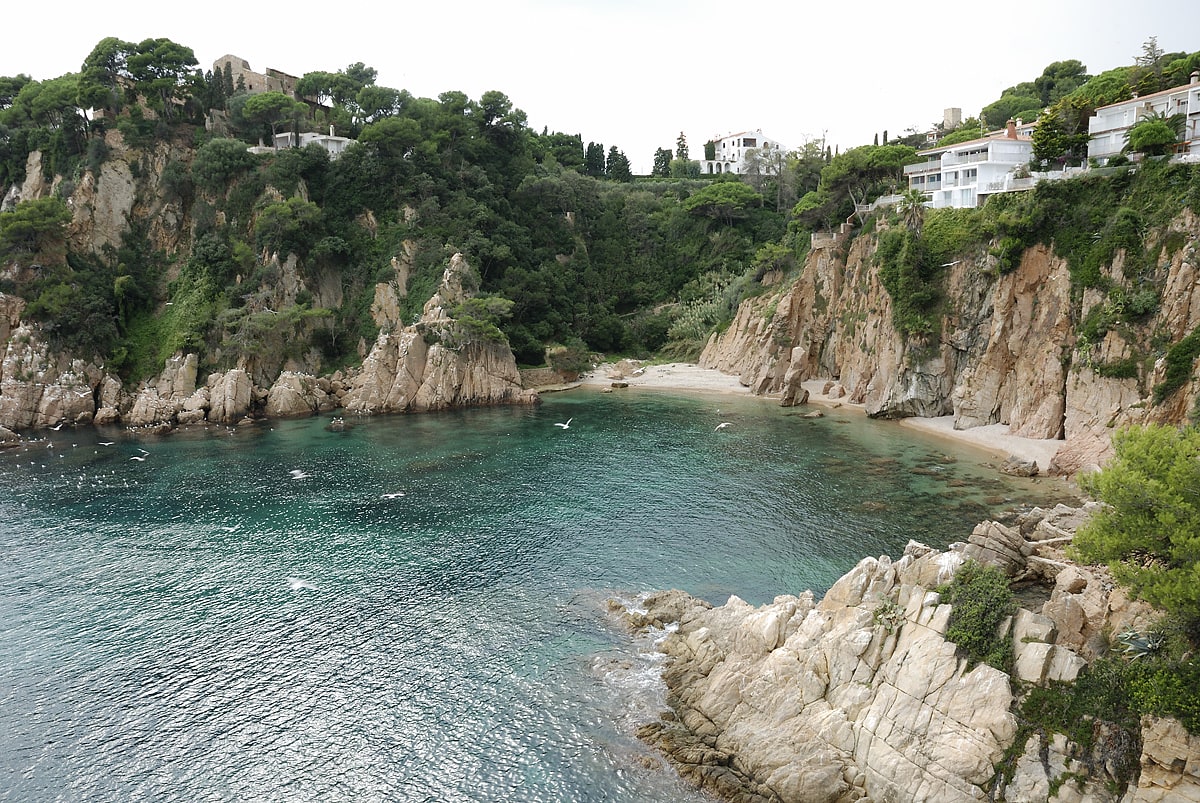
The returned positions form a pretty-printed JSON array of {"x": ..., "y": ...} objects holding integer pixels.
[{"x": 418, "y": 608}]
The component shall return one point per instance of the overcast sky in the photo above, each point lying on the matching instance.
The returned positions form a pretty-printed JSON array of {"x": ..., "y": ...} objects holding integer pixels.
[{"x": 636, "y": 73}]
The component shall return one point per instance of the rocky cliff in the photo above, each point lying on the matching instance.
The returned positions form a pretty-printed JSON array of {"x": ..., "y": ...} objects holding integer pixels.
[
  {"x": 860, "y": 697},
  {"x": 406, "y": 372},
  {"x": 1008, "y": 350},
  {"x": 257, "y": 370},
  {"x": 430, "y": 365}
]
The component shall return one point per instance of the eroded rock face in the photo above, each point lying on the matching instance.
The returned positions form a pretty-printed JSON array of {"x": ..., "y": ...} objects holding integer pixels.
[
  {"x": 159, "y": 401},
  {"x": 404, "y": 372},
  {"x": 295, "y": 394},
  {"x": 1007, "y": 353},
  {"x": 230, "y": 395},
  {"x": 40, "y": 388},
  {"x": 861, "y": 697},
  {"x": 830, "y": 702}
]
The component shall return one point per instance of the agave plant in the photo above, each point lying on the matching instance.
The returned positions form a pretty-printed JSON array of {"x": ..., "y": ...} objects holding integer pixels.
[{"x": 1139, "y": 644}]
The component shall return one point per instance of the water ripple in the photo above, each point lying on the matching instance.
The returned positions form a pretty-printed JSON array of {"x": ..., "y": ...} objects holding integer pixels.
[{"x": 201, "y": 626}]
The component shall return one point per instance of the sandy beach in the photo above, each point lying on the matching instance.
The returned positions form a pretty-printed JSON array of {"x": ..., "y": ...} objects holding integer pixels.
[{"x": 677, "y": 376}]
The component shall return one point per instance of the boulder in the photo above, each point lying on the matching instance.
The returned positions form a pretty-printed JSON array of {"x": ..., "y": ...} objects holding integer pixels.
[
  {"x": 433, "y": 365},
  {"x": 296, "y": 394},
  {"x": 230, "y": 394}
]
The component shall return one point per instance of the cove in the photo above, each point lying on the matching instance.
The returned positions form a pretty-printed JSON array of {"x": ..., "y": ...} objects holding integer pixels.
[{"x": 453, "y": 644}]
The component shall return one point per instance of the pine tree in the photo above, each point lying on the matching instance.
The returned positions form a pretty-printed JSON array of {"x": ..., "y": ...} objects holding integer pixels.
[
  {"x": 593, "y": 160},
  {"x": 617, "y": 168}
]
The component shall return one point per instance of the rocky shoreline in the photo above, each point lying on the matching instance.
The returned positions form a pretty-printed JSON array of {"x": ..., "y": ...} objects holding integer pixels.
[
  {"x": 414, "y": 368},
  {"x": 860, "y": 697}
]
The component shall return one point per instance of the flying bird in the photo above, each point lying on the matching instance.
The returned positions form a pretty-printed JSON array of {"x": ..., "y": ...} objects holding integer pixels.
[
  {"x": 297, "y": 474},
  {"x": 139, "y": 458},
  {"x": 296, "y": 584},
  {"x": 567, "y": 425},
  {"x": 723, "y": 424},
  {"x": 394, "y": 495},
  {"x": 107, "y": 443},
  {"x": 57, "y": 428}
]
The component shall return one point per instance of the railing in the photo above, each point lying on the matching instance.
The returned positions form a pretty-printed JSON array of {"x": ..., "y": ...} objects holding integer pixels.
[
  {"x": 962, "y": 160},
  {"x": 922, "y": 167}
]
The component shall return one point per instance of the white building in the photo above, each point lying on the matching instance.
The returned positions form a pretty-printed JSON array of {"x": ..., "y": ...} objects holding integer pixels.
[
  {"x": 334, "y": 144},
  {"x": 963, "y": 175},
  {"x": 1109, "y": 128},
  {"x": 730, "y": 153}
]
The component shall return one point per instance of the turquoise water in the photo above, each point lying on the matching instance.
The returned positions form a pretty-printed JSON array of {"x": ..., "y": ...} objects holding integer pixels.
[{"x": 422, "y": 617}]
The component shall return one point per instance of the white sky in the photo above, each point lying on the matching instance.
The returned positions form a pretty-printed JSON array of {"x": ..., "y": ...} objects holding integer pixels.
[{"x": 635, "y": 73}]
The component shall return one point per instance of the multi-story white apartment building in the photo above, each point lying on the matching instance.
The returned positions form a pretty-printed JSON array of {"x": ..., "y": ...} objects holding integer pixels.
[
  {"x": 964, "y": 174},
  {"x": 730, "y": 153},
  {"x": 1109, "y": 128}
]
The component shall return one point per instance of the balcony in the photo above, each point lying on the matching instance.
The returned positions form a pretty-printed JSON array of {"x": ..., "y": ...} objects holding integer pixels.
[
  {"x": 950, "y": 159},
  {"x": 923, "y": 167}
]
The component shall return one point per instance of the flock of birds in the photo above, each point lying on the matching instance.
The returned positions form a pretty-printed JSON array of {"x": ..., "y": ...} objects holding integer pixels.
[{"x": 298, "y": 584}]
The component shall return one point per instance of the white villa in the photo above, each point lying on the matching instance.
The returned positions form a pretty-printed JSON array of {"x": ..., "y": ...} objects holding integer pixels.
[
  {"x": 963, "y": 175},
  {"x": 334, "y": 144},
  {"x": 1109, "y": 128},
  {"x": 731, "y": 152}
]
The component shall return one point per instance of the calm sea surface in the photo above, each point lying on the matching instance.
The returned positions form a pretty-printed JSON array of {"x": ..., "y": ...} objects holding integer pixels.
[{"x": 421, "y": 617}]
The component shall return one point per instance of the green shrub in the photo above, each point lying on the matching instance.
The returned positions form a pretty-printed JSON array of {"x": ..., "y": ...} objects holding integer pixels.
[
  {"x": 982, "y": 600},
  {"x": 1079, "y": 710},
  {"x": 1179, "y": 361},
  {"x": 911, "y": 277},
  {"x": 1148, "y": 530}
]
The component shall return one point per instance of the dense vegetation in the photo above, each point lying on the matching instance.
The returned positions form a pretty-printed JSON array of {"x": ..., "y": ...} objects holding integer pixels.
[
  {"x": 569, "y": 248},
  {"x": 580, "y": 252}
]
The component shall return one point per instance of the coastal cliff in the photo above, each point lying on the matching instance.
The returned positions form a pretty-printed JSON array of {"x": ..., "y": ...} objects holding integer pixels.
[
  {"x": 861, "y": 696},
  {"x": 259, "y": 366},
  {"x": 1010, "y": 348}
]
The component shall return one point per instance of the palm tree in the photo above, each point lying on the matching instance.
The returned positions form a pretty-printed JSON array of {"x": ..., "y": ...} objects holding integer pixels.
[{"x": 912, "y": 209}]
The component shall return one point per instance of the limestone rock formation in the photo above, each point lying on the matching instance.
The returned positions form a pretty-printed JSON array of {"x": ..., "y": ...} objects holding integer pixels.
[
  {"x": 40, "y": 388},
  {"x": 230, "y": 395},
  {"x": 861, "y": 697},
  {"x": 432, "y": 365},
  {"x": 160, "y": 400},
  {"x": 295, "y": 394},
  {"x": 1007, "y": 351}
]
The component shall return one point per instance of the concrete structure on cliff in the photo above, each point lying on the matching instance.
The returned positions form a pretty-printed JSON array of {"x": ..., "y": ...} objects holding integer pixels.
[
  {"x": 1109, "y": 128},
  {"x": 963, "y": 175},
  {"x": 332, "y": 143}
]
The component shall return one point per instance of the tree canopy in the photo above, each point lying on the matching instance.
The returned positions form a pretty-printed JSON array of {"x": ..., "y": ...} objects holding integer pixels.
[{"x": 1148, "y": 531}]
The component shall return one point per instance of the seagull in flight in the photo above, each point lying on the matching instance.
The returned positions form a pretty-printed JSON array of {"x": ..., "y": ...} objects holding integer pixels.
[
  {"x": 394, "y": 495},
  {"x": 723, "y": 424},
  {"x": 567, "y": 425},
  {"x": 107, "y": 443},
  {"x": 57, "y": 428},
  {"x": 296, "y": 584},
  {"x": 139, "y": 458},
  {"x": 297, "y": 474}
]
